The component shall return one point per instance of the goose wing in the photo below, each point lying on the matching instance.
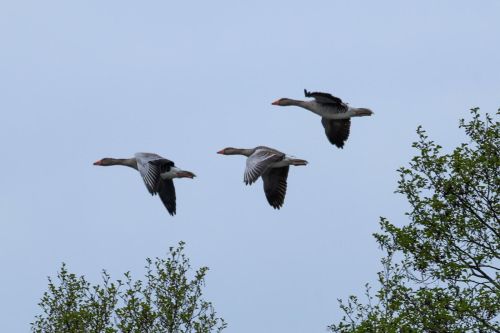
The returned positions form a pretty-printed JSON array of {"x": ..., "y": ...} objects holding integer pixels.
[
  {"x": 323, "y": 98},
  {"x": 259, "y": 161},
  {"x": 275, "y": 185},
  {"x": 150, "y": 167},
  {"x": 337, "y": 131},
  {"x": 166, "y": 191}
]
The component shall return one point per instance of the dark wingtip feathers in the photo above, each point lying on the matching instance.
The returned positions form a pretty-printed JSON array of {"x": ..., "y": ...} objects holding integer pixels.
[
  {"x": 276, "y": 205},
  {"x": 339, "y": 143},
  {"x": 307, "y": 93}
]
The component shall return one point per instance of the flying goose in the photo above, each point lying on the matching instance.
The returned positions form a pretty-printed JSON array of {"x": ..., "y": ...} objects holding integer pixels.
[
  {"x": 335, "y": 114},
  {"x": 157, "y": 173},
  {"x": 270, "y": 164}
]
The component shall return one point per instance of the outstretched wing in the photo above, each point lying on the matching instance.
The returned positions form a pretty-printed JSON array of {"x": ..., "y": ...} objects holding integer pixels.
[
  {"x": 275, "y": 185},
  {"x": 258, "y": 162},
  {"x": 166, "y": 191},
  {"x": 150, "y": 167},
  {"x": 337, "y": 131},
  {"x": 150, "y": 175},
  {"x": 323, "y": 98}
]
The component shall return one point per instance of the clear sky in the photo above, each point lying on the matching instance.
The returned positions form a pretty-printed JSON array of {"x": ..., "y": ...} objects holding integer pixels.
[{"x": 82, "y": 80}]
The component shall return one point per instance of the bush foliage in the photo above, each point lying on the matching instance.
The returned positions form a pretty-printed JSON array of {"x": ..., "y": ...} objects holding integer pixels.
[
  {"x": 441, "y": 270},
  {"x": 167, "y": 301}
]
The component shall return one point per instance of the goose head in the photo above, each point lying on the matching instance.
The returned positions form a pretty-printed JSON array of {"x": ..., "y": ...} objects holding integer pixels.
[
  {"x": 284, "y": 102},
  {"x": 236, "y": 151},
  {"x": 105, "y": 161},
  {"x": 228, "y": 151}
]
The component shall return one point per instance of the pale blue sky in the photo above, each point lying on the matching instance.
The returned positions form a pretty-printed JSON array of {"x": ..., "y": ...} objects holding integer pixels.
[{"x": 82, "y": 80}]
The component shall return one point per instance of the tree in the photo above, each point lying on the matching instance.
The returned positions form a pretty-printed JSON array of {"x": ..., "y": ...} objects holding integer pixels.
[
  {"x": 166, "y": 302},
  {"x": 441, "y": 270}
]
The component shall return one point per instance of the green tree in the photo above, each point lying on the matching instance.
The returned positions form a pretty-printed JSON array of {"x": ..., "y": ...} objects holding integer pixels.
[
  {"x": 441, "y": 270},
  {"x": 168, "y": 301}
]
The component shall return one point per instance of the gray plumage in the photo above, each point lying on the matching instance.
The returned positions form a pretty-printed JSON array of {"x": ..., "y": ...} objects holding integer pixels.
[
  {"x": 269, "y": 164},
  {"x": 335, "y": 114},
  {"x": 157, "y": 173}
]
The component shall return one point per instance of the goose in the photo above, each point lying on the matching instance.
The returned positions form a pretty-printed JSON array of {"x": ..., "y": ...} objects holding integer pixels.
[
  {"x": 156, "y": 172},
  {"x": 335, "y": 114},
  {"x": 270, "y": 164}
]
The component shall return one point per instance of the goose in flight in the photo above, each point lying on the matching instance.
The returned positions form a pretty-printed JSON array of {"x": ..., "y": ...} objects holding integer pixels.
[
  {"x": 270, "y": 164},
  {"x": 335, "y": 114},
  {"x": 156, "y": 172}
]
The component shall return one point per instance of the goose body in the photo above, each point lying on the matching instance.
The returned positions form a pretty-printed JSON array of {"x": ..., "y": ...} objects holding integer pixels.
[
  {"x": 157, "y": 173},
  {"x": 335, "y": 114},
  {"x": 269, "y": 164}
]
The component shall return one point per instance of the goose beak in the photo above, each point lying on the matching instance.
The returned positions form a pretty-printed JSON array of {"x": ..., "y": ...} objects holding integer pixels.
[
  {"x": 97, "y": 162},
  {"x": 276, "y": 102},
  {"x": 221, "y": 152}
]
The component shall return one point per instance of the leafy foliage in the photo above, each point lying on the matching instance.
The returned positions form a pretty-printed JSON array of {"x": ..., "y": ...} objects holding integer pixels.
[
  {"x": 166, "y": 302},
  {"x": 447, "y": 274}
]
